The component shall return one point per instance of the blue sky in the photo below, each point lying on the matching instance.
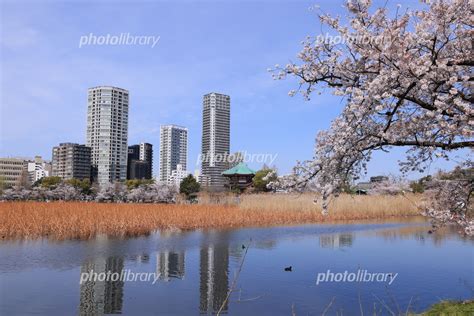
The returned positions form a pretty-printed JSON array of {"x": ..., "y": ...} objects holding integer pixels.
[{"x": 211, "y": 46}]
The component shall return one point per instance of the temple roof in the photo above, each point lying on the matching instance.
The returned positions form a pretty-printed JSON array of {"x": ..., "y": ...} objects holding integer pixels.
[{"x": 240, "y": 169}]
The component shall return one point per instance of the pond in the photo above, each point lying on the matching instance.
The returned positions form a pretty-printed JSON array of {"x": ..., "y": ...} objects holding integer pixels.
[{"x": 382, "y": 267}]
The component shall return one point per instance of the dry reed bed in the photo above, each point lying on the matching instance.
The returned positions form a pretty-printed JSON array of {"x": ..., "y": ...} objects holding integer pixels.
[
  {"x": 76, "y": 220},
  {"x": 344, "y": 207}
]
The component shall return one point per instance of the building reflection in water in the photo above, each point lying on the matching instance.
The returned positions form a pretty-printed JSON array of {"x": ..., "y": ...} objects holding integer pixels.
[
  {"x": 170, "y": 264},
  {"x": 336, "y": 240},
  {"x": 214, "y": 277},
  {"x": 102, "y": 297}
]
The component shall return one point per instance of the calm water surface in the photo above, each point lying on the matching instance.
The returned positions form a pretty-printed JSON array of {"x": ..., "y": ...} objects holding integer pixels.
[{"x": 197, "y": 268}]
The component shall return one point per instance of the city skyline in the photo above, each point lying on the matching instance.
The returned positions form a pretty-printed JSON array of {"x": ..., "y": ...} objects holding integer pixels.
[{"x": 184, "y": 64}]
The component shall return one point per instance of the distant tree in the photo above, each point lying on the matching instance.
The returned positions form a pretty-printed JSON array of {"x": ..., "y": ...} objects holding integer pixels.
[
  {"x": 83, "y": 185},
  {"x": 49, "y": 182},
  {"x": 135, "y": 183},
  {"x": 152, "y": 193},
  {"x": 189, "y": 187},
  {"x": 348, "y": 188},
  {"x": 457, "y": 174},
  {"x": 417, "y": 187},
  {"x": 112, "y": 192},
  {"x": 262, "y": 178},
  {"x": 82, "y": 190},
  {"x": 391, "y": 186}
]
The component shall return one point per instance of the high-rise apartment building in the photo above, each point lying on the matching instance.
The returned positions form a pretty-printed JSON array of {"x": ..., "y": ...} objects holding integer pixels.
[
  {"x": 173, "y": 150},
  {"x": 215, "y": 140},
  {"x": 146, "y": 153},
  {"x": 71, "y": 161},
  {"x": 140, "y": 161},
  {"x": 107, "y": 133}
]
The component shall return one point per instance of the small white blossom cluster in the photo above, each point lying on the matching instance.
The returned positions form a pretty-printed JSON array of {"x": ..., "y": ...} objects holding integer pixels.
[
  {"x": 149, "y": 193},
  {"x": 413, "y": 90},
  {"x": 450, "y": 202},
  {"x": 62, "y": 191}
]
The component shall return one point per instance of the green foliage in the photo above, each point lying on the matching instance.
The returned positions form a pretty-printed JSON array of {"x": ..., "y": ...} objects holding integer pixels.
[
  {"x": 451, "y": 308},
  {"x": 189, "y": 186},
  {"x": 346, "y": 187},
  {"x": 417, "y": 187},
  {"x": 49, "y": 182},
  {"x": 83, "y": 185},
  {"x": 135, "y": 183},
  {"x": 420, "y": 185},
  {"x": 259, "y": 183},
  {"x": 237, "y": 190}
]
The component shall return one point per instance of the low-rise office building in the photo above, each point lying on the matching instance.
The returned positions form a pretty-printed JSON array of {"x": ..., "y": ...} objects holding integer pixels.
[
  {"x": 177, "y": 175},
  {"x": 38, "y": 169},
  {"x": 13, "y": 171}
]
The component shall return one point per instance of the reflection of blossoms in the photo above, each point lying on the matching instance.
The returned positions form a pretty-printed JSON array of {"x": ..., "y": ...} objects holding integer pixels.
[{"x": 413, "y": 90}]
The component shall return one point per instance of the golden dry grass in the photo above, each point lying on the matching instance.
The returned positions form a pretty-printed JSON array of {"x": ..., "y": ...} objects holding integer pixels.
[
  {"x": 344, "y": 207},
  {"x": 71, "y": 220}
]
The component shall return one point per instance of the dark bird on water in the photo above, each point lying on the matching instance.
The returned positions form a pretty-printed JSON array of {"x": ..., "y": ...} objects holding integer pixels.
[
  {"x": 288, "y": 269},
  {"x": 243, "y": 246}
]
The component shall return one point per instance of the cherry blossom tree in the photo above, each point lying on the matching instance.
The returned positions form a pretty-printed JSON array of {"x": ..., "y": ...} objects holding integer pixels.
[
  {"x": 153, "y": 193},
  {"x": 112, "y": 192},
  {"x": 406, "y": 78},
  {"x": 391, "y": 186}
]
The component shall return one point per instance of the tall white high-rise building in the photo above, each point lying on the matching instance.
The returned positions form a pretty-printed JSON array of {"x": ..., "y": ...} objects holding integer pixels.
[
  {"x": 215, "y": 140},
  {"x": 107, "y": 133},
  {"x": 173, "y": 150}
]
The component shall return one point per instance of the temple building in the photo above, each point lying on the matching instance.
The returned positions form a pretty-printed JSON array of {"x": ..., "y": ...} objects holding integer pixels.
[{"x": 240, "y": 176}]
